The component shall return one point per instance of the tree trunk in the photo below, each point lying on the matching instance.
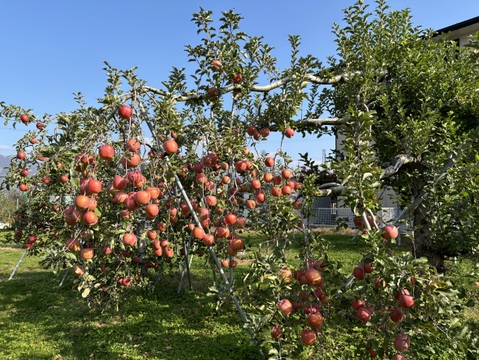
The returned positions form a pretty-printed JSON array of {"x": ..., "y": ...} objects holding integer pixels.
[{"x": 423, "y": 244}]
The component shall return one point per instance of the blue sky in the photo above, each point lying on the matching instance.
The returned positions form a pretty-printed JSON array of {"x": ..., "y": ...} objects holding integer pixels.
[{"x": 53, "y": 48}]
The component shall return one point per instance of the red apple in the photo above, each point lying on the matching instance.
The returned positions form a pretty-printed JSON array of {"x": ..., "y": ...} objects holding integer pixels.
[
  {"x": 170, "y": 146},
  {"x": 21, "y": 155},
  {"x": 406, "y": 300},
  {"x": 358, "y": 273},
  {"x": 276, "y": 331},
  {"x": 313, "y": 277},
  {"x": 402, "y": 342},
  {"x": 237, "y": 78},
  {"x": 285, "y": 306},
  {"x": 129, "y": 239},
  {"x": 357, "y": 303},
  {"x": 213, "y": 92},
  {"x": 308, "y": 336},
  {"x": 24, "y": 118},
  {"x": 315, "y": 320},
  {"x": 365, "y": 313},
  {"x": 125, "y": 111},
  {"x": 390, "y": 232},
  {"x": 368, "y": 267},
  {"x": 216, "y": 65},
  {"x": 289, "y": 133},
  {"x": 396, "y": 314},
  {"x": 106, "y": 152}
]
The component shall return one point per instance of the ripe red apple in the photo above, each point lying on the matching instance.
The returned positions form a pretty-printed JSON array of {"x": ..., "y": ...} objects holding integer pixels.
[
  {"x": 275, "y": 191},
  {"x": 170, "y": 146},
  {"x": 308, "y": 336},
  {"x": 289, "y": 133},
  {"x": 64, "y": 179},
  {"x": 230, "y": 219},
  {"x": 216, "y": 65},
  {"x": 78, "y": 270},
  {"x": 133, "y": 145},
  {"x": 276, "y": 331},
  {"x": 406, "y": 300},
  {"x": 87, "y": 253},
  {"x": 120, "y": 183},
  {"x": 94, "y": 186},
  {"x": 24, "y": 172},
  {"x": 129, "y": 239},
  {"x": 357, "y": 303},
  {"x": 368, "y": 267},
  {"x": 24, "y": 118},
  {"x": 23, "y": 187},
  {"x": 125, "y": 111},
  {"x": 213, "y": 92},
  {"x": 269, "y": 162},
  {"x": 251, "y": 130},
  {"x": 315, "y": 320},
  {"x": 358, "y": 221},
  {"x": 286, "y": 174},
  {"x": 237, "y": 78},
  {"x": 390, "y": 232},
  {"x": 126, "y": 281},
  {"x": 285, "y": 306},
  {"x": 286, "y": 190},
  {"x": 285, "y": 274},
  {"x": 90, "y": 218},
  {"x": 106, "y": 152},
  {"x": 365, "y": 313},
  {"x": 396, "y": 314},
  {"x": 402, "y": 342},
  {"x": 208, "y": 239},
  {"x": 142, "y": 197},
  {"x": 264, "y": 132},
  {"x": 198, "y": 233},
  {"x": 358, "y": 273},
  {"x": 21, "y": 155},
  {"x": 313, "y": 277}
]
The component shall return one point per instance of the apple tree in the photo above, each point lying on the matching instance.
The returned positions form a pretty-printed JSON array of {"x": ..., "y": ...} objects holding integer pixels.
[
  {"x": 125, "y": 192},
  {"x": 411, "y": 124}
]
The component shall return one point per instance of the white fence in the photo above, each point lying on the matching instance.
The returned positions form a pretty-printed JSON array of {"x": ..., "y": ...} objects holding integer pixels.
[{"x": 334, "y": 216}]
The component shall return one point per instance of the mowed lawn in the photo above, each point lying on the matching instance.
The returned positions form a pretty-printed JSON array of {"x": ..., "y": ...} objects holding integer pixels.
[{"x": 41, "y": 320}]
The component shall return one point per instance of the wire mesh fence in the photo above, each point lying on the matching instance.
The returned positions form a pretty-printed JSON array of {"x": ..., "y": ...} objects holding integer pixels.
[{"x": 335, "y": 216}]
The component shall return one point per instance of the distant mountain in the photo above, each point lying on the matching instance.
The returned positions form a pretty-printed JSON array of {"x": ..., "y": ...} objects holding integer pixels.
[{"x": 4, "y": 162}]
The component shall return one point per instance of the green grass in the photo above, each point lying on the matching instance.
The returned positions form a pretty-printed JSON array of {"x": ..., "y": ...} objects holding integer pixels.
[{"x": 40, "y": 320}]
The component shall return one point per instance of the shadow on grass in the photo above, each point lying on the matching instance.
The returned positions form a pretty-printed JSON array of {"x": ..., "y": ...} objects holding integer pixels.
[{"x": 40, "y": 320}]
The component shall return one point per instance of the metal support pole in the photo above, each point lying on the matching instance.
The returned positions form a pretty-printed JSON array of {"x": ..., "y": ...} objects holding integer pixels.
[{"x": 18, "y": 264}]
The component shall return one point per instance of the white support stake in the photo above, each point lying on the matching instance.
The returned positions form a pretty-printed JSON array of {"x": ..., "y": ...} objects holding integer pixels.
[{"x": 16, "y": 266}]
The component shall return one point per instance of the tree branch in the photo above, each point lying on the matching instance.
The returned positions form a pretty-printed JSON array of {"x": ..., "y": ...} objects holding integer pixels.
[
  {"x": 323, "y": 121},
  {"x": 392, "y": 167},
  {"x": 257, "y": 88},
  {"x": 334, "y": 191}
]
